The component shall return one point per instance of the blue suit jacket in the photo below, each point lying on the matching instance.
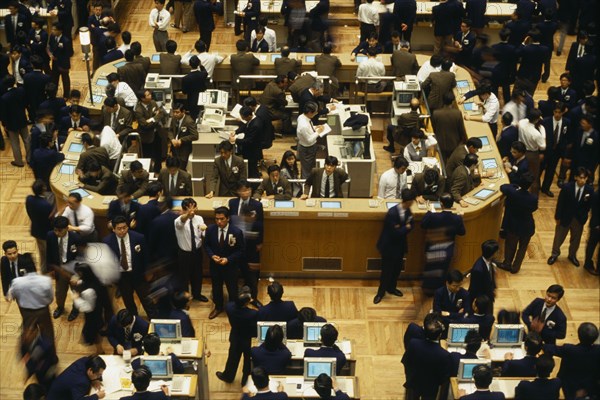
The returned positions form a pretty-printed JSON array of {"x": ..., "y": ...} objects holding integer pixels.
[
  {"x": 485, "y": 323},
  {"x": 328, "y": 352},
  {"x": 481, "y": 281},
  {"x": 579, "y": 367},
  {"x": 178, "y": 367},
  {"x": 278, "y": 311},
  {"x": 146, "y": 395},
  {"x": 506, "y": 53},
  {"x": 39, "y": 44},
  {"x": 234, "y": 252},
  {"x": 413, "y": 331},
  {"x": 40, "y": 212},
  {"x": 392, "y": 241},
  {"x": 43, "y": 162},
  {"x": 567, "y": 206},
  {"x": 524, "y": 367},
  {"x": 61, "y": 51},
  {"x": 145, "y": 214},
  {"x": 518, "y": 31},
  {"x": 538, "y": 389},
  {"x": 586, "y": 155},
  {"x": 507, "y": 137},
  {"x": 116, "y": 334},
  {"x": 114, "y": 209},
  {"x": 563, "y": 137},
  {"x": 65, "y": 124},
  {"x": 73, "y": 383},
  {"x": 52, "y": 253},
  {"x": 295, "y": 328},
  {"x": 34, "y": 83},
  {"x": 462, "y": 300},
  {"x": 203, "y": 11},
  {"x": 532, "y": 58},
  {"x": 427, "y": 366},
  {"x": 112, "y": 55},
  {"x": 273, "y": 361},
  {"x": 551, "y": 331},
  {"x": 255, "y": 207},
  {"x": 242, "y": 321},
  {"x": 446, "y": 17},
  {"x": 161, "y": 236},
  {"x": 484, "y": 395},
  {"x": 475, "y": 10},
  {"x": 526, "y": 8},
  {"x": 519, "y": 207},
  {"x": 187, "y": 329},
  {"x": 266, "y": 396},
  {"x": 138, "y": 257}
]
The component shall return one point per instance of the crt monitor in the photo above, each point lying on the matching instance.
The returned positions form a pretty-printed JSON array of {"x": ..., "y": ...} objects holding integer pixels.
[
  {"x": 507, "y": 334},
  {"x": 466, "y": 366},
  {"x": 458, "y": 332},
  {"x": 315, "y": 366},
  {"x": 82, "y": 192},
  {"x": 161, "y": 366},
  {"x": 284, "y": 204},
  {"x": 312, "y": 332},
  {"x": 309, "y": 59},
  {"x": 263, "y": 326},
  {"x": 75, "y": 147},
  {"x": 169, "y": 330},
  {"x": 404, "y": 98},
  {"x": 159, "y": 96}
]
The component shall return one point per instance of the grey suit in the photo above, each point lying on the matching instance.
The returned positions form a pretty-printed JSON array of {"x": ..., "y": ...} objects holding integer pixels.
[
  {"x": 187, "y": 133},
  {"x": 461, "y": 183},
  {"x": 227, "y": 177},
  {"x": 438, "y": 84},
  {"x": 140, "y": 185},
  {"x": 134, "y": 74},
  {"x": 284, "y": 65},
  {"x": 326, "y": 64},
  {"x": 456, "y": 159},
  {"x": 98, "y": 154},
  {"x": 122, "y": 123},
  {"x": 183, "y": 184},
  {"x": 428, "y": 193},
  {"x": 242, "y": 63},
  {"x": 404, "y": 63},
  {"x": 105, "y": 183},
  {"x": 282, "y": 190},
  {"x": 170, "y": 64},
  {"x": 144, "y": 61},
  {"x": 449, "y": 129},
  {"x": 316, "y": 176}
]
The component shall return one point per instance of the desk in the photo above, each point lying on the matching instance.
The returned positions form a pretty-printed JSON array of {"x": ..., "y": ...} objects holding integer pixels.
[
  {"x": 504, "y": 385},
  {"x": 496, "y": 354},
  {"x": 198, "y": 359},
  {"x": 116, "y": 369},
  {"x": 348, "y": 384}
]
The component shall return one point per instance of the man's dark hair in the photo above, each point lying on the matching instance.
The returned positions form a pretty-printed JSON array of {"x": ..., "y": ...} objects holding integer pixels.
[
  {"x": 507, "y": 119},
  {"x": 60, "y": 222},
  {"x": 274, "y": 338},
  {"x": 136, "y": 48},
  {"x": 473, "y": 341},
  {"x": 273, "y": 168},
  {"x": 454, "y": 275},
  {"x": 446, "y": 64},
  {"x": 124, "y": 317},
  {"x": 470, "y": 160},
  {"x": 446, "y": 200},
  {"x": 408, "y": 194},
  {"x": 246, "y": 111},
  {"x": 119, "y": 219},
  {"x": 436, "y": 60},
  {"x": 93, "y": 166},
  {"x": 433, "y": 328},
  {"x": 36, "y": 61},
  {"x": 250, "y": 101},
  {"x": 135, "y": 166},
  {"x": 110, "y": 101},
  {"x": 243, "y": 297},
  {"x": 474, "y": 142},
  {"x": 151, "y": 343},
  {"x": 329, "y": 334},
  {"x": 126, "y": 37},
  {"x": 171, "y": 46},
  {"x": 533, "y": 343},
  {"x": 534, "y": 114},
  {"x": 194, "y": 62},
  {"x": 483, "y": 303},
  {"x": 525, "y": 180},
  {"x": 113, "y": 76},
  {"x": 544, "y": 365},
  {"x": 125, "y": 190},
  {"x": 307, "y": 314},
  {"x": 75, "y": 196},
  {"x": 482, "y": 375},
  {"x": 519, "y": 146},
  {"x": 34, "y": 391},
  {"x": 559, "y": 105},
  {"x": 141, "y": 378},
  {"x": 242, "y": 184},
  {"x": 448, "y": 98},
  {"x": 9, "y": 244},
  {"x": 431, "y": 175},
  {"x": 223, "y": 211},
  {"x": 110, "y": 43},
  {"x": 187, "y": 203},
  {"x": 200, "y": 46},
  {"x": 225, "y": 145},
  {"x": 331, "y": 160},
  {"x": 489, "y": 248},
  {"x": 587, "y": 333},
  {"x": 556, "y": 289},
  {"x": 285, "y": 51},
  {"x": 241, "y": 45},
  {"x": 154, "y": 189},
  {"x": 310, "y": 107},
  {"x": 323, "y": 385},
  {"x": 95, "y": 363},
  {"x": 260, "y": 377},
  {"x": 327, "y": 48},
  {"x": 400, "y": 162},
  {"x": 172, "y": 162},
  {"x": 275, "y": 291},
  {"x": 38, "y": 187}
]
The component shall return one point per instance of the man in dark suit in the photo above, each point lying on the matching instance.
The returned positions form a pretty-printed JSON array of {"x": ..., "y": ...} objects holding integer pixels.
[
  {"x": 75, "y": 121},
  {"x": 285, "y": 64},
  {"x": 403, "y": 61},
  {"x": 295, "y": 326},
  {"x": 61, "y": 248},
  {"x": 274, "y": 187},
  {"x": 327, "y": 64},
  {"x": 526, "y": 365},
  {"x": 557, "y": 137},
  {"x": 446, "y": 20},
  {"x": 482, "y": 315},
  {"x": 505, "y": 53},
  {"x": 439, "y": 83},
  {"x": 482, "y": 375},
  {"x": 161, "y": 232},
  {"x": 541, "y": 388},
  {"x": 464, "y": 43},
  {"x": 277, "y": 309},
  {"x": 76, "y": 381},
  {"x": 260, "y": 378},
  {"x": 462, "y": 180},
  {"x": 170, "y": 63},
  {"x": 273, "y": 98},
  {"x": 242, "y": 63},
  {"x": 577, "y": 50},
  {"x": 60, "y": 50},
  {"x": 452, "y": 301},
  {"x": 429, "y": 185},
  {"x": 405, "y": 15},
  {"x": 250, "y": 144},
  {"x": 224, "y": 244},
  {"x": 518, "y": 222},
  {"x": 594, "y": 236},
  {"x": 545, "y": 317},
  {"x": 565, "y": 93},
  {"x": 326, "y": 182},
  {"x": 182, "y": 133},
  {"x": 132, "y": 73},
  {"x": 13, "y": 265},
  {"x": 137, "y": 177},
  {"x": 98, "y": 179},
  {"x": 91, "y": 153},
  {"x": 579, "y": 368},
  {"x": 427, "y": 365},
  {"x": 119, "y": 118},
  {"x": 126, "y": 332},
  {"x": 329, "y": 335},
  {"x": 149, "y": 116},
  {"x": 123, "y": 206},
  {"x": 15, "y": 22},
  {"x": 194, "y": 83},
  {"x": 228, "y": 169},
  {"x": 243, "y": 327},
  {"x": 40, "y": 211},
  {"x": 532, "y": 56},
  {"x": 175, "y": 181},
  {"x": 314, "y": 93},
  {"x": 14, "y": 120},
  {"x": 141, "y": 376},
  {"x": 112, "y": 52},
  {"x": 136, "y": 48},
  {"x": 572, "y": 209},
  {"x": 483, "y": 275},
  {"x": 181, "y": 305},
  {"x": 518, "y": 28},
  {"x": 34, "y": 83},
  {"x": 407, "y": 123},
  {"x": 45, "y": 158},
  {"x": 586, "y": 146},
  {"x": 203, "y": 10},
  {"x": 247, "y": 214},
  {"x": 393, "y": 245},
  {"x": 147, "y": 212}
]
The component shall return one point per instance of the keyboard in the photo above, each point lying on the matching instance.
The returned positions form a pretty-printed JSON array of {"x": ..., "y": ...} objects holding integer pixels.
[
  {"x": 186, "y": 346},
  {"x": 177, "y": 383}
]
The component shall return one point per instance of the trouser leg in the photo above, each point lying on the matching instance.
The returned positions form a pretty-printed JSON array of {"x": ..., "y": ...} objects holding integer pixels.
[
  {"x": 592, "y": 243},
  {"x": 510, "y": 248},
  {"x": 126, "y": 287},
  {"x": 560, "y": 234},
  {"x": 41, "y": 244},
  {"x": 575, "y": 229},
  {"x": 217, "y": 285},
  {"x": 15, "y": 144},
  {"x": 522, "y": 250}
]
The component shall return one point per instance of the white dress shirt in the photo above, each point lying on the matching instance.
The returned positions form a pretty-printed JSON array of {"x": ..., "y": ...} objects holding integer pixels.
[
  {"x": 388, "y": 184},
  {"x": 124, "y": 47},
  {"x": 32, "y": 291},
  {"x": 162, "y": 18},
  {"x": 183, "y": 234},
  {"x": 533, "y": 138},
  {"x": 430, "y": 141},
  {"x": 371, "y": 67},
  {"x": 110, "y": 141},
  {"x": 324, "y": 179},
  {"x": 307, "y": 136},
  {"x": 65, "y": 247},
  {"x": 368, "y": 13},
  {"x": 209, "y": 61},
  {"x": 270, "y": 36},
  {"x": 491, "y": 108},
  {"x": 86, "y": 302},
  {"x": 85, "y": 219},
  {"x": 126, "y": 93},
  {"x": 518, "y": 111},
  {"x": 17, "y": 72}
]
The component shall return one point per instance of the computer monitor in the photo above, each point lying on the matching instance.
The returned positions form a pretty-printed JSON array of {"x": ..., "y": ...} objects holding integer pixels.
[
  {"x": 169, "y": 330},
  {"x": 275, "y": 57},
  {"x": 489, "y": 163},
  {"x": 263, "y": 326},
  {"x": 159, "y": 96},
  {"x": 403, "y": 98},
  {"x": 102, "y": 82},
  {"x": 82, "y": 192},
  {"x": 120, "y": 64},
  {"x": 177, "y": 202},
  {"x": 315, "y": 366},
  {"x": 331, "y": 204},
  {"x": 360, "y": 59},
  {"x": 470, "y": 107},
  {"x": 507, "y": 335},
  {"x": 309, "y": 59},
  {"x": 160, "y": 366},
  {"x": 284, "y": 204},
  {"x": 462, "y": 84},
  {"x": 458, "y": 332},
  {"x": 391, "y": 204},
  {"x": 155, "y": 57},
  {"x": 76, "y": 147},
  {"x": 484, "y": 140},
  {"x": 312, "y": 332},
  {"x": 483, "y": 194},
  {"x": 67, "y": 169},
  {"x": 466, "y": 366}
]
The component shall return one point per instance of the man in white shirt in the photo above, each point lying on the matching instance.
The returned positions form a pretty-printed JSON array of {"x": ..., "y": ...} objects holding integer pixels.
[
  {"x": 393, "y": 180},
  {"x": 208, "y": 60},
  {"x": 81, "y": 218},
  {"x": 372, "y": 67},
  {"x": 34, "y": 294},
  {"x": 189, "y": 230},
  {"x": 110, "y": 141},
  {"x": 420, "y": 146},
  {"x": 159, "y": 20},
  {"x": 18, "y": 69},
  {"x": 533, "y": 134},
  {"x": 433, "y": 65},
  {"x": 122, "y": 90},
  {"x": 307, "y": 138},
  {"x": 368, "y": 16},
  {"x": 516, "y": 106},
  {"x": 270, "y": 36},
  {"x": 491, "y": 109}
]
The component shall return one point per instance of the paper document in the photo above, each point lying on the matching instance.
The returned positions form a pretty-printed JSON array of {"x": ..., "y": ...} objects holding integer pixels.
[
  {"x": 235, "y": 112},
  {"x": 325, "y": 131}
]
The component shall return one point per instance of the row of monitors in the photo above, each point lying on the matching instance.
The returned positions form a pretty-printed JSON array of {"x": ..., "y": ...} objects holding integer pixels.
[
  {"x": 503, "y": 335},
  {"x": 311, "y": 331}
]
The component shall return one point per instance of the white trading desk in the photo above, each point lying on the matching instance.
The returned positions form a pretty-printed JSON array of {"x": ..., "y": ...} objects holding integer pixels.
[
  {"x": 347, "y": 384},
  {"x": 195, "y": 349}
]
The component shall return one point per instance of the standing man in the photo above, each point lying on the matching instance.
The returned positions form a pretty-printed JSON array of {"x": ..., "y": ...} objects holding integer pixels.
[
  {"x": 307, "y": 138},
  {"x": 149, "y": 117},
  {"x": 14, "y": 120},
  {"x": 182, "y": 133},
  {"x": 585, "y": 147},
  {"x": 449, "y": 128},
  {"x": 117, "y": 117},
  {"x": 60, "y": 50},
  {"x": 439, "y": 83},
  {"x": 225, "y": 249},
  {"x": 572, "y": 209},
  {"x": 393, "y": 245},
  {"x": 557, "y": 134},
  {"x": 446, "y": 20},
  {"x": 81, "y": 218},
  {"x": 490, "y": 106},
  {"x": 175, "y": 181},
  {"x": 189, "y": 229},
  {"x": 393, "y": 181},
  {"x": 545, "y": 317},
  {"x": 183, "y": 12},
  {"x": 159, "y": 20},
  {"x": 228, "y": 169},
  {"x": 249, "y": 143},
  {"x": 41, "y": 213},
  {"x": 13, "y": 265},
  {"x": 203, "y": 10},
  {"x": 194, "y": 83},
  {"x": 594, "y": 236},
  {"x": 405, "y": 13},
  {"x": 533, "y": 134},
  {"x": 483, "y": 274}
]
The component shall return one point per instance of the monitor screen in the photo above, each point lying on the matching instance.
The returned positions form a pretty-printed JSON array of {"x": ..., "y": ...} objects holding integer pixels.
[
  {"x": 166, "y": 330},
  {"x": 98, "y": 98},
  {"x": 263, "y": 332},
  {"x": 275, "y": 56},
  {"x": 468, "y": 370},
  {"x": 470, "y": 106},
  {"x": 405, "y": 98},
  {"x": 157, "y": 367},
  {"x": 331, "y": 204},
  {"x": 391, "y": 204},
  {"x": 67, "y": 169},
  {"x": 316, "y": 368},
  {"x": 484, "y": 140},
  {"x": 159, "y": 96},
  {"x": 102, "y": 82},
  {"x": 309, "y": 59},
  {"x": 489, "y": 163},
  {"x": 155, "y": 57},
  {"x": 483, "y": 194},
  {"x": 82, "y": 192},
  {"x": 509, "y": 336},
  {"x": 177, "y": 202},
  {"x": 462, "y": 84},
  {"x": 120, "y": 64},
  {"x": 360, "y": 59},
  {"x": 313, "y": 333},
  {"x": 436, "y": 205},
  {"x": 284, "y": 204},
  {"x": 76, "y": 147},
  {"x": 459, "y": 334}
]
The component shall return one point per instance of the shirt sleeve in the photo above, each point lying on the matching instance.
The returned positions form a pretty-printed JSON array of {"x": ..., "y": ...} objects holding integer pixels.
[
  {"x": 381, "y": 191},
  {"x": 541, "y": 138},
  {"x": 430, "y": 141},
  {"x": 179, "y": 224},
  {"x": 86, "y": 302},
  {"x": 490, "y": 112},
  {"x": 87, "y": 223}
]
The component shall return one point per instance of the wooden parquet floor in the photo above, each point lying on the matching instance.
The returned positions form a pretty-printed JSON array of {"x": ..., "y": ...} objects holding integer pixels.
[{"x": 375, "y": 330}]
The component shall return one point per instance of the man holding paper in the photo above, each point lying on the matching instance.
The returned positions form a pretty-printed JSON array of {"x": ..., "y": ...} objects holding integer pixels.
[{"x": 307, "y": 137}]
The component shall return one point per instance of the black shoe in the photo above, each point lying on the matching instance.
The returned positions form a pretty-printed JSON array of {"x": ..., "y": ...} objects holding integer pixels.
[
  {"x": 389, "y": 149},
  {"x": 16, "y": 164},
  {"x": 504, "y": 266},
  {"x": 560, "y": 183},
  {"x": 294, "y": 147},
  {"x": 589, "y": 267},
  {"x": 377, "y": 299},
  {"x": 201, "y": 298},
  {"x": 73, "y": 314},
  {"x": 58, "y": 312},
  {"x": 396, "y": 292},
  {"x": 574, "y": 261},
  {"x": 552, "y": 260},
  {"x": 548, "y": 193},
  {"x": 221, "y": 377}
]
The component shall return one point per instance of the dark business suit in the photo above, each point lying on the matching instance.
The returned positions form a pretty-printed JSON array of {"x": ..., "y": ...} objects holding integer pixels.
[
  {"x": 250, "y": 145},
  {"x": 483, "y": 281},
  {"x": 327, "y": 65},
  {"x": 12, "y": 31},
  {"x": 233, "y": 249},
  {"x": 328, "y": 352},
  {"x": 139, "y": 185},
  {"x": 143, "y": 61},
  {"x": 72, "y": 383},
  {"x": 161, "y": 236},
  {"x": 8, "y": 274},
  {"x": 274, "y": 362},
  {"x": 579, "y": 368},
  {"x": 105, "y": 183},
  {"x": 66, "y": 123},
  {"x": 538, "y": 389},
  {"x": 450, "y": 132},
  {"x": 111, "y": 55},
  {"x": 556, "y": 143},
  {"x": 585, "y": 153},
  {"x": 432, "y": 192},
  {"x": 404, "y": 63},
  {"x": 116, "y": 334},
  {"x": 446, "y": 20},
  {"x": 122, "y": 123},
  {"x": 460, "y": 301},
  {"x": 41, "y": 213},
  {"x": 98, "y": 154},
  {"x": 148, "y": 395},
  {"x": 518, "y": 223},
  {"x": 555, "y": 325},
  {"x": 461, "y": 183},
  {"x": 12, "y": 114},
  {"x": 437, "y": 85},
  {"x": 522, "y": 367},
  {"x": 484, "y": 395},
  {"x": 571, "y": 214},
  {"x": 133, "y": 74},
  {"x": 150, "y": 140},
  {"x": 187, "y": 328},
  {"x": 226, "y": 177},
  {"x": 242, "y": 63},
  {"x": 427, "y": 366},
  {"x": 34, "y": 83},
  {"x": 243, "y": 328},
  {"x": 191, "y": 85},
  {"x": 187, "y": 132},
  {"x": 203, "y": 11},
  {"x": 132, "y": 279},
  {"x": 405, "y": 12},
  {"x": 282, "y": 189},
  {"x": 532, "y": 57},
  {"x": 315, "y": 178},
  {"x": 144, "y": 216},
  {"x": 43, "y": 162},
  {"x": 183, "y": 184},
  {"x": 306, "y": 95},
  {"x": 295, "y": 327},
  {"x": 393, "y": 245},
  {"x": 475, "y": 10},
  {"x": 278, "y": 311},
  {"x": 505, "y": 53},
  {"x": 54, "y": 262},
  {"x": 485, "y": 322},
  {"x": 467, "y": 42},
  {"x": 518, "y": 31},
  {"x": 129, "y": 211},
  {"x": 61, "y": 51},
  {"x": 283, "y": 65}
]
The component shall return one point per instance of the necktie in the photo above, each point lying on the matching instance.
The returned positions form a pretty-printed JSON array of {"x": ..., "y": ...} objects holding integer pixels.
[
  {"x": 15, "y": 22},
  {"x": 75, "y": 125},
  {"x": 192, "y": 236},
  {"x": 127, "y": 334},
  {"x": 556, "y": 133},
  {"x": 172, "y": 186},
  {"x": 398, "y": 186},
  {"x": 543, "y": 314},
  {"x": 580, "y": 51},
  {"x": 327, "y": 188},
  {"x": 222, "y": 238},
  {"x": 578, "y": 195},
  {"x": 13, "y": 266},
  {"x": 61, "y": 250},
  {"x": 75, "y": 218},
  {"x": 452, "y": 297},
  {"x": 113, "y": 119},
  {"x": 124, "y": 264}
]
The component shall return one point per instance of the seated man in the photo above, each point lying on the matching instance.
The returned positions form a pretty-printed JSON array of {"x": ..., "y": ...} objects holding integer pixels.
[
  {"x": 482, "y": 375},
  {"x": 462, "y": 180},
  {"x": 324, "y": 385},
  {"x": 541, "y": 388},
  {"x": 526, "y": 365},
  {"x": 372, "y": 67},
  {"x": 295, "y": 327},
  {"x": 98, "y": 179},
  {"x": 277, "y": 309},
  {"x": 181, "y": 306},
  {"x": 545, "y": 317},
  {"x": 329, "y": 335},
  {"x": 420, "y": 146},
  {"x": 175, "y": 181},
  {"x": 473, "y": 344},
  {"x": 274, "y": 187},
  {"x": 151, "y": 344},
  {"x": 260, "y": 378},
  {"x": 452, "y": 301},
  {"x": 140, "y": 378},
  {"x": 481, "y": 315},
  {"x": 325, "y": 182},
  {"x": 363, "y": 47},
  {"x": 285, "y": 64},
  {"x": 407, "y": 122},
  {"x": 429, "y": 185},
  {"x": 272, "y": 354},
  {"x": 136, "y": 176},
  {"x": 125, "y": 332},
  {"x": 394, "y": 180},
  {"x": 74, "y": 122},
  {"x": 77, "y": 379}
]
